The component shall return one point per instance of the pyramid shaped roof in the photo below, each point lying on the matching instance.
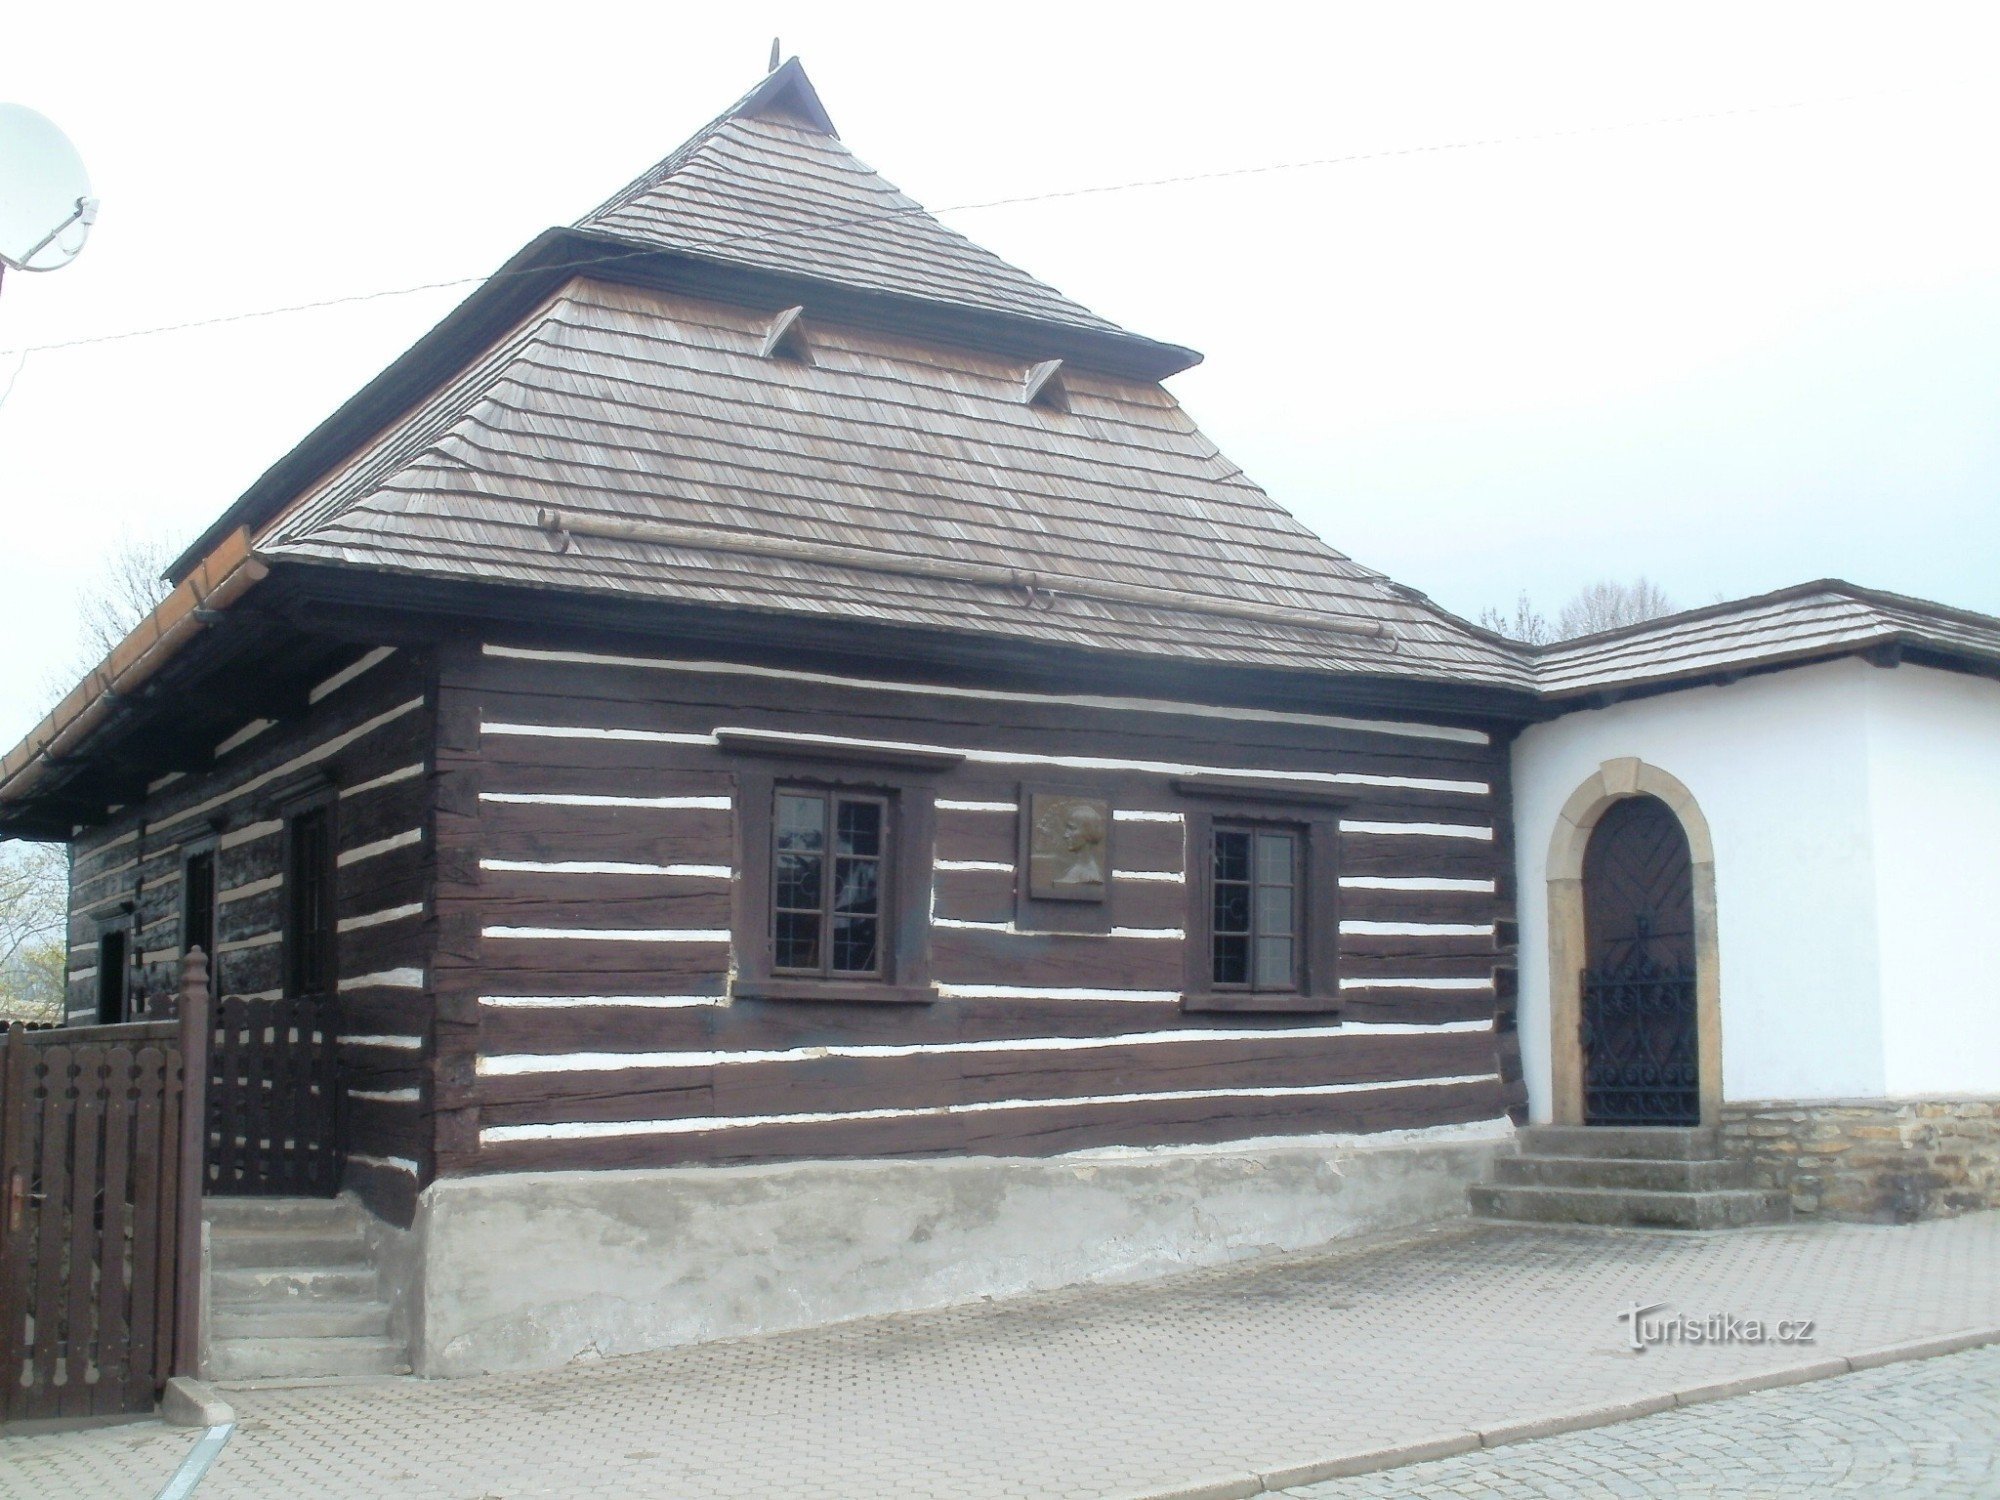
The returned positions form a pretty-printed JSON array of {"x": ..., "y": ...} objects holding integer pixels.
[
  {"x": 770, "y": 183},
  {"x": 933, "y": 441}
]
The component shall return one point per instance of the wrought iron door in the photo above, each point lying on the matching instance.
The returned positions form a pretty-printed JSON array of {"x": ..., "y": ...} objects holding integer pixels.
[{"x": 1641, "y": 1062}]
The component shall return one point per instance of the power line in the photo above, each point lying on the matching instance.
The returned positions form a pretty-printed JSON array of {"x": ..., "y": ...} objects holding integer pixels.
[
  {"x": 1478, "y": 143},
  {"x": 18, "y": 368}
]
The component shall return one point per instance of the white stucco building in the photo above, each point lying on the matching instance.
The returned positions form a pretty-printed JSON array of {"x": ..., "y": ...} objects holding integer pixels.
[{"x": 1832, "y": 756}]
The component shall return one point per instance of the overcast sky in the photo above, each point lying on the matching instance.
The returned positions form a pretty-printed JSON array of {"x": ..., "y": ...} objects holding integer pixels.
[{"x": 1730, "y": 354}]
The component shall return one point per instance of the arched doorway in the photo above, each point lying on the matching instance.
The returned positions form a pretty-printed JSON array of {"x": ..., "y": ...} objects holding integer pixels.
[
  {"x": 1611, "y": 786},
  {"x": 1641, "y": 1052}
]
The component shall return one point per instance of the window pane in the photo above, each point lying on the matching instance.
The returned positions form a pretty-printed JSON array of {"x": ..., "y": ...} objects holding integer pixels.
[
  {"x": 798, "y": 882},
  {"x": 854, "y": 945},
  {"x": 856, "y": 886},
  {"x": 1232, "y": 960},
  {"x": 797, "y": 940},
  {"x": 801, "y": 822},
  {"x": 1232, "y": 855},
  {"x": 1274, "y": 910},
  {"x": 1232, "y": 908},
  {"x": 1274, "y": 963},
  {"x": 829, "y": 873},
  {"x": 861, "y": 828},
  {"x": 1274, "y": 858},
  {"x": 828, "y": 876}
]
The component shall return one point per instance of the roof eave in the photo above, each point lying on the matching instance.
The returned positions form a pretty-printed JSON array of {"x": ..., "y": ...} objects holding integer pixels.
[
  {"x": 1909, "y": 646},
  {"x": 1836, "y": 587},
  {"x": 354, "y": 585},
  {"x": 1109, "y": 350},
  {"x": 498, "y": 303},
  {"x": 216, "y": 582}
]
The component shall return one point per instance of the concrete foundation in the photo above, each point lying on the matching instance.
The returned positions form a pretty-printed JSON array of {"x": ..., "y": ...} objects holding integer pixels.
[
  {"x": 1890, "y": 1161},
  {"x": 535, "y": 1270}
]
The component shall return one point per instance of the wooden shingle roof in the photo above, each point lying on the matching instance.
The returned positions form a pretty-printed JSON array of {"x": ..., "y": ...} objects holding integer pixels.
[
  {"x": 618, "y": 406},
  {"x": 890, "y": 465},
  {"x": 1807, "y": 622},
  {"x": 770, "y": 184}
]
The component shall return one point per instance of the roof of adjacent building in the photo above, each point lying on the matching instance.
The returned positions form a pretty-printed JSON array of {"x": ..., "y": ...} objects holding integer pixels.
[
  {"x": 1807, "y": 622},
  {"x": 662, "y": 442}
]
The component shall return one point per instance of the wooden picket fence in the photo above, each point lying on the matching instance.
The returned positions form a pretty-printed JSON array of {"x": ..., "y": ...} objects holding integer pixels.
[{"x": 100, "y": 1235}]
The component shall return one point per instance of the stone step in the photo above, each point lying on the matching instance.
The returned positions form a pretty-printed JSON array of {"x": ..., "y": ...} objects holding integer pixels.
[
  {"x": 1624, "y": 1142},
  {"x": 236, "y": 1248},
  {"x": 304, "y": 1358},
  {"x": 305, "y": 1382},
  {"x": 356, "y": 1318},
  {"x": 1614, "y": 1172},
  {"x": 1629, "y": 1208},
  {"x": 317, "y": 1214},
  {"x": 283, "y": 1285}
]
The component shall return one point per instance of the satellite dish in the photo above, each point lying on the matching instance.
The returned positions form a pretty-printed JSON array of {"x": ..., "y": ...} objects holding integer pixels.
[{"x": 45, "y": 205}]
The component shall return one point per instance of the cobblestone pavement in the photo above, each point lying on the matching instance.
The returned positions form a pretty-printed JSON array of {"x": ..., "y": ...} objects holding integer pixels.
[
  {"x": 1930, "y": 1429},
  {"x": 1091, "y": 1391}
]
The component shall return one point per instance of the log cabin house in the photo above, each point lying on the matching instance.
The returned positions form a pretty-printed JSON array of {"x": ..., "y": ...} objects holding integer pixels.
[{"x": 783, "y": 778}]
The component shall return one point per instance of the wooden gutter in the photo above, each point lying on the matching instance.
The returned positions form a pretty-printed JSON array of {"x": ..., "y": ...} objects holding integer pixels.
[{"x": 216, "y": 582}]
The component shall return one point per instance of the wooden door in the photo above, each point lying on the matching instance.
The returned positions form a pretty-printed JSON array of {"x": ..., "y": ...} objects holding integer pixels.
[{"x": 1640, "y": 1046}]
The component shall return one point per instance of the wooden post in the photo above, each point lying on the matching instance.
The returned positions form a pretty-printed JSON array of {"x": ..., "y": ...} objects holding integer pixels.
[
  {"x": 15, "y": 1221},
  {"x": 197, "y": 1032}
]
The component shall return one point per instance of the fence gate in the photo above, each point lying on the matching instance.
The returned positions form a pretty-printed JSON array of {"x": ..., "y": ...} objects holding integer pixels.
[
  {"x": 273, "y": 1097},
  {"x": 100, "y": 1232}
]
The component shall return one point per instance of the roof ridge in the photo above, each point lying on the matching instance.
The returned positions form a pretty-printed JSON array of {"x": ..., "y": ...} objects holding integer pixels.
[{"x": 765, "y": 97}]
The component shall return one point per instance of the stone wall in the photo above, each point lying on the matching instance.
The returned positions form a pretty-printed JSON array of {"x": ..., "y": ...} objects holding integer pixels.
[{"x": 1884, "y": 1161}]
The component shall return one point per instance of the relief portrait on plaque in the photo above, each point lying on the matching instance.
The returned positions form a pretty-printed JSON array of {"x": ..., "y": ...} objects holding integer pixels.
[{"x": 1068, "y": 847}]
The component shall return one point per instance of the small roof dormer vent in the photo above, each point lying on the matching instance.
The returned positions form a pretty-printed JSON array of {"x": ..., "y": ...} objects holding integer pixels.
[
  {"x": 786, "y": 337},
  {"x": 1044, "y": 386}
]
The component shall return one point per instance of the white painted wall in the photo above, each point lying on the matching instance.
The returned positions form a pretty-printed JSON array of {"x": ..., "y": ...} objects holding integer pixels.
[
  {"x": 1779, "y": 765},
  {"x": 1855, "y": 814},
  {"x": 1934, "y": 774}
]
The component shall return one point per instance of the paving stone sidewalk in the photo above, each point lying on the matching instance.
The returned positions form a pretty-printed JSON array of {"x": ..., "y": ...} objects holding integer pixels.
[
  {"x": 1927, "y": 1430},
  {"x": 1091, "y": 1392}
]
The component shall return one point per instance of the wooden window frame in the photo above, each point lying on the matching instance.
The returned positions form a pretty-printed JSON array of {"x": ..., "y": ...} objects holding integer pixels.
[
  {"x": 1313, "y": 816},
  {"x": 908, "y": 791},
  {"x": 320, "y": 802}
]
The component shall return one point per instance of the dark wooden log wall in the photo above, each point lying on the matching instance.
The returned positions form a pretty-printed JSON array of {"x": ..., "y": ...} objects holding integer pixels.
[
  {"x": 587, "y": 845},
  {"x": 367, "y": 734}
]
